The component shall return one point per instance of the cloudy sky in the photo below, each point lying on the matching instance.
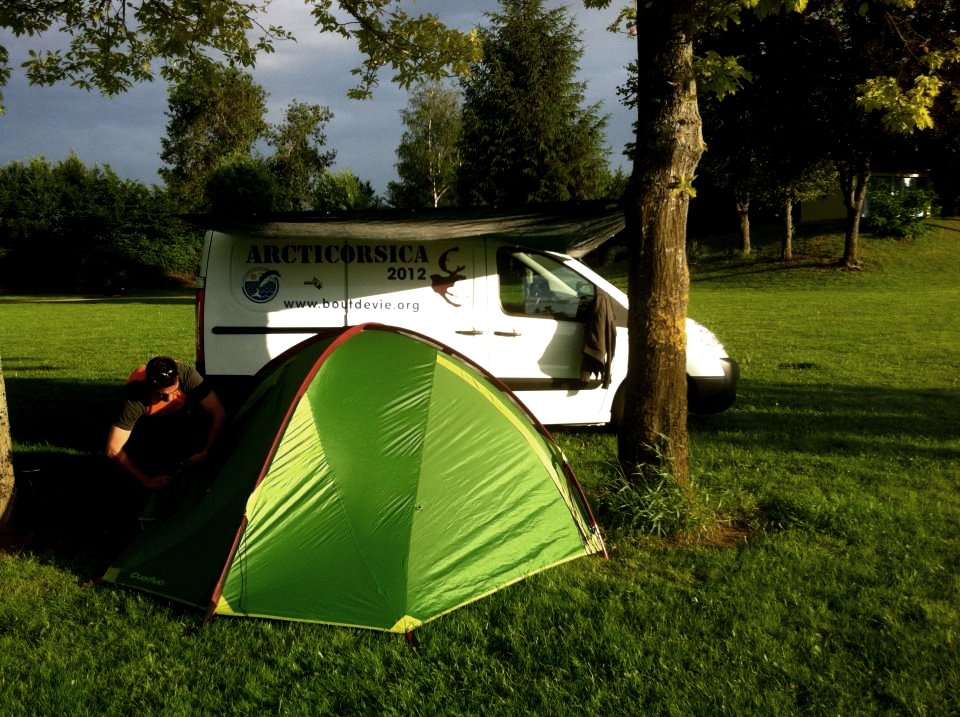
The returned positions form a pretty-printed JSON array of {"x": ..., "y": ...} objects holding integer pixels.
[{"x": 124, "y": 132}]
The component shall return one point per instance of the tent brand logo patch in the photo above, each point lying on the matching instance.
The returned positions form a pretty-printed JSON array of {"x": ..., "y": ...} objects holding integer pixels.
[
  {"x": 261, "y": 285},
  {"x": 147, "y": 578}
]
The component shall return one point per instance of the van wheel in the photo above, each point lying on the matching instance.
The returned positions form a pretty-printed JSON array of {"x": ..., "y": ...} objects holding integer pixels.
[
  {"x": 693, "y": 397},
  {"x": 616, "y": 410}
]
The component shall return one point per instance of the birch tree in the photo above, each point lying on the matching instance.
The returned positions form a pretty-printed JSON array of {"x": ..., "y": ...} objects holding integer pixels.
[{"x": 428, "y": 156}]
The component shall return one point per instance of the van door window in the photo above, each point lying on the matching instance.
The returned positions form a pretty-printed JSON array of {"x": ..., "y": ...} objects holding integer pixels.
[{"x": 537, "y": 285}]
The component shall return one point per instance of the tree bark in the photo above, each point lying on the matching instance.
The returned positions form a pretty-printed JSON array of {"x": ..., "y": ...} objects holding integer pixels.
[
  {"x": 786, "y": 253},
  {"x": 6, "y": 462},
  {"x": 668, "y": 149},
  {"x": 853, "y": 184},
  {"x": 743, "y": 211}
]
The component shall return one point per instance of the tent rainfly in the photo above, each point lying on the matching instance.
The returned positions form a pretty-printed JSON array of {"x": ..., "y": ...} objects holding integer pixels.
[{"x": 374, "y": 479}]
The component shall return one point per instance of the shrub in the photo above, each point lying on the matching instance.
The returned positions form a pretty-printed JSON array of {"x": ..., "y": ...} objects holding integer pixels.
[
  {"x": 67, "y": 226},
  {"x": 241, "y": 186},
  {"x": 899, "y": 214}
]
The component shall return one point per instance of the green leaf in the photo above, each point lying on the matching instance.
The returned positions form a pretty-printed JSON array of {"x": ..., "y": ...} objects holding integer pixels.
[
  {"x": 903, "y": 110},
  {"x": 719, "y": 74}
]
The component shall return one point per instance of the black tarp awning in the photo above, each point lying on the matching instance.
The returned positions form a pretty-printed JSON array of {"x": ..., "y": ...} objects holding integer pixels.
[{"x": 575, "y": 229}]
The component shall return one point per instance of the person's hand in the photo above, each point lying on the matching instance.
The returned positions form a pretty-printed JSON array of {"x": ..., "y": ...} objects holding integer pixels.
[
  {"x": 194, "y": 459},
  {"x": 155, "y": 482}
]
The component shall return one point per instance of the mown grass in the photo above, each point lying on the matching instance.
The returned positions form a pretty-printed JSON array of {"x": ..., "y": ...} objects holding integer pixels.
[{"x": 839, "y": 593}]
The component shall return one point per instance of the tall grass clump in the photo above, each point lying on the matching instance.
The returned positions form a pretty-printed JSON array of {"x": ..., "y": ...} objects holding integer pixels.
[{"x": 650, "y": 501}]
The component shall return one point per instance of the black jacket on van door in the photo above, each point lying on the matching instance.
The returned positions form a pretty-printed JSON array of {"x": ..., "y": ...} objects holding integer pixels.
[{"x": 599, "y": 339}]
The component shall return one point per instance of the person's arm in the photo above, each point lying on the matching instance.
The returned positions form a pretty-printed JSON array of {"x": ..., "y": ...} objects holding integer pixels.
[
  {"x": 218, "y": 416},
  {"x": 116, "y": 441}
]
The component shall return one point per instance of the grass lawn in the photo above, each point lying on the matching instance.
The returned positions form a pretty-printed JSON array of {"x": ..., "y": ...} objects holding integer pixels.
[{"x": 839, "y": 592}]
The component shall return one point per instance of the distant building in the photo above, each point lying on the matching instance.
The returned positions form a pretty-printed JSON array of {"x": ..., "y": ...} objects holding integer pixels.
[{"x": 830, "y": 208}]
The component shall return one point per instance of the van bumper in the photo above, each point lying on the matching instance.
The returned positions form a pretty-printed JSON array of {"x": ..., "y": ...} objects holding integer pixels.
[{"x": 712, "y": 394}]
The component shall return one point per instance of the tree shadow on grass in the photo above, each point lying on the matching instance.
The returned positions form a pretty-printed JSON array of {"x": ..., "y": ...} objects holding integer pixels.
[
  {"x": 940, "y": 225},
  {"x": 830, "y": 418},
  {"x": 881, "y": 422},
  {"x": 172, "y": 299},
  {"x": 73, "y": 509},
  {"x": 886, "y": 430},
  {"x": 781, "y": 435},
  {"x": 72, "y": 504},
  {"x": 66, "y": 415},
  {"x": 736, "y": 270},
  {"x": 818, "y": 456}
]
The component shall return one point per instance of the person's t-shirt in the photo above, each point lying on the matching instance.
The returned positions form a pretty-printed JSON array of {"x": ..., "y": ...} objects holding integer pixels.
[{"x": 137, "y": 397}]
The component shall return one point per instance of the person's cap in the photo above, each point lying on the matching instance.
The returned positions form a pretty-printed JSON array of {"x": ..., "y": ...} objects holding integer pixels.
[{"x": 162, "y": 371}]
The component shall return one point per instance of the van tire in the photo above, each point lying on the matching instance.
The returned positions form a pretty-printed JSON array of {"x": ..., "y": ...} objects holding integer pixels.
[{"x": 616, "y": 409}]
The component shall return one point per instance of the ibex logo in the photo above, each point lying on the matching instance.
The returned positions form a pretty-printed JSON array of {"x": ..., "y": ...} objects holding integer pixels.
[
  {"x": 443, "y": 283},
  {"x": 261, "y": 285},
  {"x": 147, "y": 578}
]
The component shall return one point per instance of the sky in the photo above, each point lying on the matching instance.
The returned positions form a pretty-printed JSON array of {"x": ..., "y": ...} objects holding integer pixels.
[{"x": 124, "y": 132}]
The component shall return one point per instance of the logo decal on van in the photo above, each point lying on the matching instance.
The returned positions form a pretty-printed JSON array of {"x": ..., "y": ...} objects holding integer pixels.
[
  {"x": 260, "y": 285},
  {"x": 443, "y": 283}
]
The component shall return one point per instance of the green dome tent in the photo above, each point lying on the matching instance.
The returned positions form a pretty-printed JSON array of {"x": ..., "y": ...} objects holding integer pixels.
[{"x": 374, "y": 479}]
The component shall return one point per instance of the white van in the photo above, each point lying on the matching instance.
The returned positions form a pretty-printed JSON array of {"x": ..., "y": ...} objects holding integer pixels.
[{"x": 488, "y": 286}]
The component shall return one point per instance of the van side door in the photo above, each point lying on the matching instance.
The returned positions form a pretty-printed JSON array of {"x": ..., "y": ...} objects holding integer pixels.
[{"x": 538, "y": 321}]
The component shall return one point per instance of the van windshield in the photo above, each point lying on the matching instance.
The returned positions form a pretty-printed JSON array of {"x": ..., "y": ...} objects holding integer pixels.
[{"x": 534, "y": 284}]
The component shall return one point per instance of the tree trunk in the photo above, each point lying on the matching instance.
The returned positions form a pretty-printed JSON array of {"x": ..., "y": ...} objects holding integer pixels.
[
  {"x": 743, "y": 211},
  {"x": 853, "y": 184},
  {"x": 6, "y": 462},
  {"x": 668, "y": 150},
  {"x": 786, "y": 253}
]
